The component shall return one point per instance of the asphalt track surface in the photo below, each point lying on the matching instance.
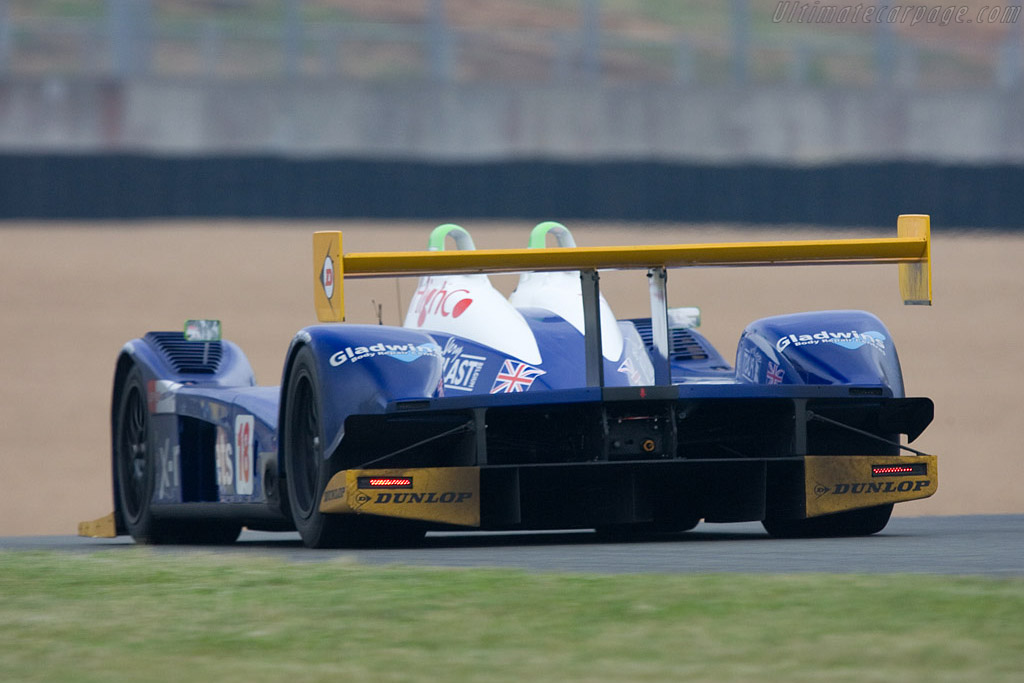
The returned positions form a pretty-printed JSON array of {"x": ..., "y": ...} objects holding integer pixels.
[{"x": 969, "y": 545}]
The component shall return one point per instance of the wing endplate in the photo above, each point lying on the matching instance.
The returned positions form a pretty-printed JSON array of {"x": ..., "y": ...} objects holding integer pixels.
[
  {"x": 328, "y": 274},
  {"x": 916, "y": 276}
]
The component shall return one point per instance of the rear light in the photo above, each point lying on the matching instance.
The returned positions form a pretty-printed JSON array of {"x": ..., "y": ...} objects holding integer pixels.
[
  {"x": 384, "y": 482},
  {"x": 899, "y": 470}
]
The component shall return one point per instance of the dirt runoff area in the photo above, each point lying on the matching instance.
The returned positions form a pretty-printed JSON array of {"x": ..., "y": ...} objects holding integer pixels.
[{"x": 72, "y": 294}]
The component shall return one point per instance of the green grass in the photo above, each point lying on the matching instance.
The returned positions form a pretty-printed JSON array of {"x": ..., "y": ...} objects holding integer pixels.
[{"x": 131, "y": 615}]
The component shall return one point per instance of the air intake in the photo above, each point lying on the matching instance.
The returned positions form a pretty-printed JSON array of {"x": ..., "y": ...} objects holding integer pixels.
[
  {"x": 682, "y": 344},
  {"x": 201, "y": 358}
]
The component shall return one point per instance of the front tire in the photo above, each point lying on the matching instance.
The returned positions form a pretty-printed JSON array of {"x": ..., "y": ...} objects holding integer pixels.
[
  {"x": 850, "y": 523},
  {"x": 134, "y": 462}
]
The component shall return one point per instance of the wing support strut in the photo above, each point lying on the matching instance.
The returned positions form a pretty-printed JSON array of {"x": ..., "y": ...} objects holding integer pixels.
[
  {"x": 656, "y": 281},
  {"x": 589, "y": 282}
]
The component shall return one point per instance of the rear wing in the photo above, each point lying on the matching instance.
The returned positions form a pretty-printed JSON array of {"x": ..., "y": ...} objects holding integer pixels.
[{"x": 910, "y": 249}]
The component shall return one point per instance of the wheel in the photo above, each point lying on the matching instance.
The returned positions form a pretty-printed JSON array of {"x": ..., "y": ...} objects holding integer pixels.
[
  {"x": 307, "y": 474},
  {"x": 303, "y": 438},
  {"x": 851, "y": 523},
  {"x": 133, "y": 462}
]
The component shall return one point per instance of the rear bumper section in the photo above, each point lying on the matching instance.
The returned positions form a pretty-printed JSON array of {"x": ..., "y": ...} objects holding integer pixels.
[
  {"x": 632, "y": 456},
  {"x": 663, "y": 493}
]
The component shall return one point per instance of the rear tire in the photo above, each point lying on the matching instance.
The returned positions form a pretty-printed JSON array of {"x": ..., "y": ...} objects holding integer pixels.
[
  {"x": 306, "y": 472},
  {"x": 851, "y": 523},
  {"x": 303, "y": 439}
]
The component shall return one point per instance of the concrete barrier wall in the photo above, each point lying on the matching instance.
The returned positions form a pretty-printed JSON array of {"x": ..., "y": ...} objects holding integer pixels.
[
  {"x": 109, "y": 149},
  {"x": 475, "y": 122}
]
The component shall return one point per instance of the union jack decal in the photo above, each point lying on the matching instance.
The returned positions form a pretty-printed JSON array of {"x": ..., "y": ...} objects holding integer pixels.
[
  {"x": 514, "y": 377},
  {"x": 774, "y": 374}
]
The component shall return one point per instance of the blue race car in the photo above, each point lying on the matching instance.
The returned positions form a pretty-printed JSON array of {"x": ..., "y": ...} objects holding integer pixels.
[{"x": 540, "y": 410}]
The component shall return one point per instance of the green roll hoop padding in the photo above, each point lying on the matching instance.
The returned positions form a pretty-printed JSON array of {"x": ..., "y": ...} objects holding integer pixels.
[
  {"x": 538, "y": 236},
  {"x": 463, "y": 240}
]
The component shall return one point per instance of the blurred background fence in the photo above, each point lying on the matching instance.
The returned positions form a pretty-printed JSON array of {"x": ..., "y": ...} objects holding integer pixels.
[
  {"x": 711, "y": 110},
  {"x": 559, "y": 41}
]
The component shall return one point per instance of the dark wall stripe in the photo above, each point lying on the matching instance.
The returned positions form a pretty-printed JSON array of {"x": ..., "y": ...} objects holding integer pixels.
[{"x": 130, "y": 186}]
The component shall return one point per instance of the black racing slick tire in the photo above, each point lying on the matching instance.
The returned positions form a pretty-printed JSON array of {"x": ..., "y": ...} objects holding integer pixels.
[
  {"x": 306, "y": 472},
  {"x": 134, "y": 462},
  {"x": 851, "y": 523},
  {"x": 305, "y": 460}
]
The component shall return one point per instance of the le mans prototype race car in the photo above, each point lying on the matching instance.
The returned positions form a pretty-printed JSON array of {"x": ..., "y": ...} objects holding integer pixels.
[{"x": 540, "y": 410}]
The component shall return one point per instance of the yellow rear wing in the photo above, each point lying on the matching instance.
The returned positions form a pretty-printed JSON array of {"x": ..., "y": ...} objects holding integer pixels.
[{"x": 911, "y": 249}]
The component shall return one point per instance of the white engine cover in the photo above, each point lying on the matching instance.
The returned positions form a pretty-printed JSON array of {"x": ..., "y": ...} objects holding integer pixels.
[
  {"x": 562, "y": 294},
  {"x": 470, "y": 306}
]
